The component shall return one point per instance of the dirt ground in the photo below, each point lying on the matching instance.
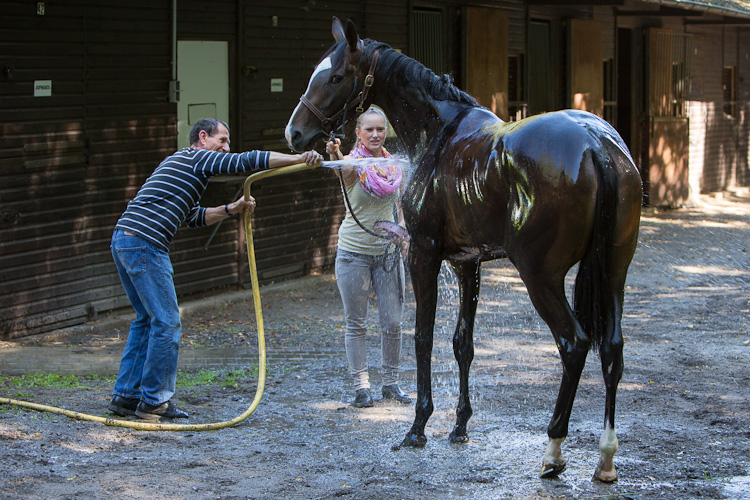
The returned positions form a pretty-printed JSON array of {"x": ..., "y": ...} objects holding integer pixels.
[{"x": 683, "y": 406}]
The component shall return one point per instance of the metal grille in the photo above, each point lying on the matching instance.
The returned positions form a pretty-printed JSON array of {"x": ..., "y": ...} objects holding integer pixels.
[
  {"x": 610, "y": 92},
  {"x": 429, "y": 38},
  {"x": 671, "y": 69},
  {"x": 517, "y": 105},
  {"x": 541, "y": 73}
]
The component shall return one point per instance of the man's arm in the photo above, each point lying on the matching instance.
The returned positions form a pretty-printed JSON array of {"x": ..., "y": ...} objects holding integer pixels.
[
  {"x": 215, "y": 214},
  {"x": 276, "y": 160}
]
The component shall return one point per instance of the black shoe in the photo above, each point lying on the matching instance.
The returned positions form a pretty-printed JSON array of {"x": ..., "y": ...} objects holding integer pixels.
[
  {"x": 395, "y": 392},
  {"x": 363, "y": 399},
  {"x": 123, "y": 406},
  {"x": 160, "y": 412}
]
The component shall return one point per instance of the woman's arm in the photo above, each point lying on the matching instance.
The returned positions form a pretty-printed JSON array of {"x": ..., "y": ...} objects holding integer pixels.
[{"x": 348, "y": 172}]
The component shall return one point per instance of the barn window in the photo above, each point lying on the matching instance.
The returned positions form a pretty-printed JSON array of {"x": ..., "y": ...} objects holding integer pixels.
[
  {"x": 542, "y": 75},
  {"x": 517, "y": 105},
  {"x": 610, "y": 91},
  {"x": 671, "y": 68},
  {"x": 428, "y": 38}
]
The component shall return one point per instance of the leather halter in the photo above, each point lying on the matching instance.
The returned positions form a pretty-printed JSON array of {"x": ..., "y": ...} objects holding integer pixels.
[{"x": 329, "y": 122}]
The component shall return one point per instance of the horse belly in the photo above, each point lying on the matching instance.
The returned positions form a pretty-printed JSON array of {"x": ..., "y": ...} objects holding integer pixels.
[{"x": 476, "y": 232}]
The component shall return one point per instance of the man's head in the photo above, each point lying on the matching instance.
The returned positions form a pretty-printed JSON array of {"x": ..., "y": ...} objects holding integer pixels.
[{"x": 211, "y": 134}]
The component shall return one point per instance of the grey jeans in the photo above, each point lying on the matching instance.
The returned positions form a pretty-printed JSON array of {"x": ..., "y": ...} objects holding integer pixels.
[{"x": 355, "y": 275}]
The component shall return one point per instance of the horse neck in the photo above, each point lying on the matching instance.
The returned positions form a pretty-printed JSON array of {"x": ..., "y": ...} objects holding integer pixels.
[{"x": 414, "y": 115}]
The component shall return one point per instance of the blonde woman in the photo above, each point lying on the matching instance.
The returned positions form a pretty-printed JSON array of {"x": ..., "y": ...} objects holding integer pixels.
[{"x": 373, "y": 192}]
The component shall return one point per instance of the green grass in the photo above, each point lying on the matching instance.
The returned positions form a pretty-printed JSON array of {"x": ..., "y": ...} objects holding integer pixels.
[
  {"x": 43, "y": 380},
  {"x": 224, "y": 377}
]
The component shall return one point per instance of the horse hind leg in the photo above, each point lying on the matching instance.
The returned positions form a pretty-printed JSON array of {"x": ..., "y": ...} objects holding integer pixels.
[
  {"x": 600, "y": 289},
  {"x": 547, "y": 293},
  {"x": 610, "y": 352},
  {"x": 469, "y": 277},
  {"x": 600, "y": 284}
]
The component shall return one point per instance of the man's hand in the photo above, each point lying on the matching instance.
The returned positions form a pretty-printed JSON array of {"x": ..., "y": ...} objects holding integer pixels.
[
  {"x": 311, "y": 157},
  {"x": 215, "y": 214},
  {"x": 242, "y": 206}
]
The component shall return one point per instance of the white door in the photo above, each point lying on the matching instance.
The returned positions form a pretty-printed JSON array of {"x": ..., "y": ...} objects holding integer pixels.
[{"x": 203, "y": 73}]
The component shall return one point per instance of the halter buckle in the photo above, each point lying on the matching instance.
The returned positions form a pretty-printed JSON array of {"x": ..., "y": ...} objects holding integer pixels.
[
  {"x": 360, "y": 107},
  {"x": 369, "y": 80}
]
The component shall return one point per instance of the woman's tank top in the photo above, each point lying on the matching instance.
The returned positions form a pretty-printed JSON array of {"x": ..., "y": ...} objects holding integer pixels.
[{"x": 368, "y": 209}]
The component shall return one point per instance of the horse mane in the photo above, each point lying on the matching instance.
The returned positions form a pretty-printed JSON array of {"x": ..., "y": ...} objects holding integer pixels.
[{"x": 440, "y": 88}]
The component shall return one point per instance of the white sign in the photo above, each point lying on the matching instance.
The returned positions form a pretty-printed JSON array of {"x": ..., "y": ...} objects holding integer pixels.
[
  {"x": 277, "y": 85},
  {"x": 42, "y": 88}
]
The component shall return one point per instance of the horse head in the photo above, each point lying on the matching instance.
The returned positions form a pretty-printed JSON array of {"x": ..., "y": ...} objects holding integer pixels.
[{"x": 333, "y": 92}]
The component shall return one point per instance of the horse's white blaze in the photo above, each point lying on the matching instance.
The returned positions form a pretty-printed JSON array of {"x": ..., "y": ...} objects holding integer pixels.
[{"x": 324, "y": 65}]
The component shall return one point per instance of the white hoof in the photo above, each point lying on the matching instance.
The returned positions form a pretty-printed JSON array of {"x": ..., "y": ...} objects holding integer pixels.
[{"x": 553, "y": 463}]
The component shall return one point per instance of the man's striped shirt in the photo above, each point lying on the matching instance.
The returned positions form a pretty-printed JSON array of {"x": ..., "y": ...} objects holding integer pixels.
[{"x": 171, "y": 195}]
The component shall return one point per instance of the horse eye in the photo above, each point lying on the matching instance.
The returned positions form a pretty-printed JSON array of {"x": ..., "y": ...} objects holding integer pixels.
[{"x": 336, "y": 78}]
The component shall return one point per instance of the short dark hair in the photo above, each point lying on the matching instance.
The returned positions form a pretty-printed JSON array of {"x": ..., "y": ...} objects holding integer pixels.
[{"x": 210, "y": 125}]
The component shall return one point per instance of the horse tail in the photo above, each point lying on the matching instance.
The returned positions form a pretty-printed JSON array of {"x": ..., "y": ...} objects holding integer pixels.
[{"x": 593, "y": 291}]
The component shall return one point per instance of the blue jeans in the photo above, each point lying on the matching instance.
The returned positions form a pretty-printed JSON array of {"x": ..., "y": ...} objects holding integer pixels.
[
  {"x": 355, "y": 274},
  {"x": 148, "y": 369}
]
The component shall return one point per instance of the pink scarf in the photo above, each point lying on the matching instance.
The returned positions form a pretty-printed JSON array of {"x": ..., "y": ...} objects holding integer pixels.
[{"x": 379, "y": 179}]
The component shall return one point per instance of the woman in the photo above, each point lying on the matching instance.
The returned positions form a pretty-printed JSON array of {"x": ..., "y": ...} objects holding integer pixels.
[{"x": 373, "y": 193}]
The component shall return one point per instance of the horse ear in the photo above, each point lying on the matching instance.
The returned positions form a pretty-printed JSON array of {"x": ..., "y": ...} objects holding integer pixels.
[
  {"x": 337, "y": 29},
  {"x": 351, "y": 35}
]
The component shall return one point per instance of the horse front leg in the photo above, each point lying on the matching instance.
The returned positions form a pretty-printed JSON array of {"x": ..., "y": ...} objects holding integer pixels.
[
  {"x": 424, "y": 267},
  {"x": 469, "y": 278}
]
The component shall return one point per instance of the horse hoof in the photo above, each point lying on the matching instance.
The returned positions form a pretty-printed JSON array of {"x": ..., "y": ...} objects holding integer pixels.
[
  {"x": 609, "y": 476},
  {"x": 553, "y": 468},
  {"x": 411, "y": 441},
  {"x": 458, "y": 438}
]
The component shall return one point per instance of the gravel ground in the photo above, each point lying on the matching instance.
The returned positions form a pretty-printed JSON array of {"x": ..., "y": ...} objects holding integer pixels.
[{"x": 683, "y": 405}]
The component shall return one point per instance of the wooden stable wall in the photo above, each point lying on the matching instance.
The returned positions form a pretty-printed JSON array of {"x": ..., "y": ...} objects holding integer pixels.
[{"x": 70, "y": 162}]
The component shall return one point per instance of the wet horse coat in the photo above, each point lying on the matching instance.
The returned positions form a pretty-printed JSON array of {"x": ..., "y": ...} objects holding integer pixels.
[{"x": 546, "y": 192}]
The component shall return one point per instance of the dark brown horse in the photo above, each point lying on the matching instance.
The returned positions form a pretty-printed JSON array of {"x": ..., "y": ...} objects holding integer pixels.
[{"x": 546, "y": 192}]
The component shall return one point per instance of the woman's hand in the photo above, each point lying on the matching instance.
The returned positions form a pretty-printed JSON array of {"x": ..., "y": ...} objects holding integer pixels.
[{"x": 333, "y": 149}]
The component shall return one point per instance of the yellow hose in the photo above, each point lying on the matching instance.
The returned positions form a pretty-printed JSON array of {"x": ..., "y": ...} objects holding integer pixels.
[{"x": 153, "y": 426}]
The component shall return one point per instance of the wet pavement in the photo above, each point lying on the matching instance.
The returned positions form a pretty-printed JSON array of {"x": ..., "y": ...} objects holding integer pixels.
[
  {"x": 683, "y": 410},
  {"x": 95, "y": 348}
]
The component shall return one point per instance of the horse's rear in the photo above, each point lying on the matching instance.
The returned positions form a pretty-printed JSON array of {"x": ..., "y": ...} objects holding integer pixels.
[
  {"x": 547, "y": 192},
  {"x": 586, "y": 208}
]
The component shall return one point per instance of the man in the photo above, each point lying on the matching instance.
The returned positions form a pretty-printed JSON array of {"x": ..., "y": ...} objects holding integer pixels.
[{"x": 140, "y": 248}]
